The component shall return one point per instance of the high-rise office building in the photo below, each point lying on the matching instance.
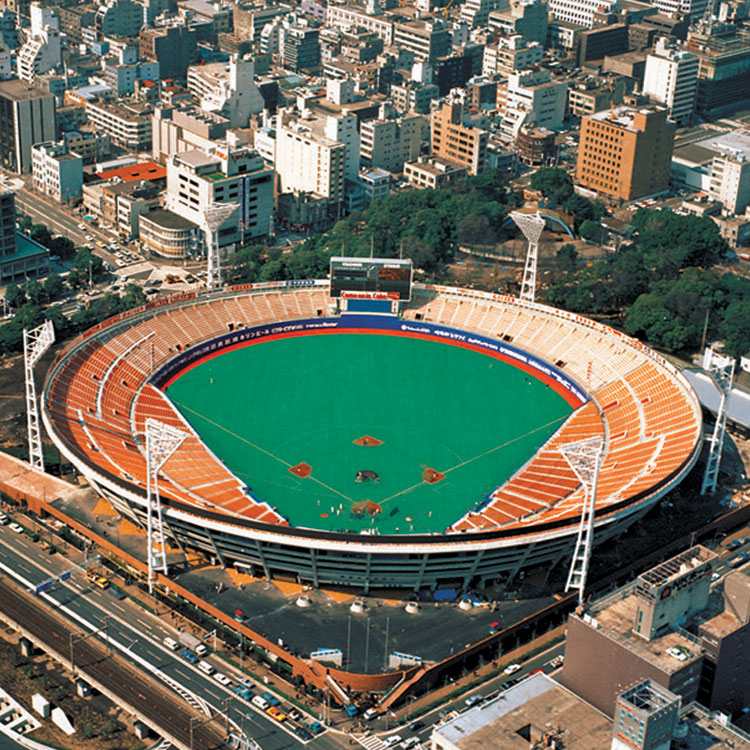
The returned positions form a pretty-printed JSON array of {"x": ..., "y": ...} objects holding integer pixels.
[
  {"x": 457, "y": 142},
  {"x": 27, "y": 116},
  {"x": 626, "y": 153}
]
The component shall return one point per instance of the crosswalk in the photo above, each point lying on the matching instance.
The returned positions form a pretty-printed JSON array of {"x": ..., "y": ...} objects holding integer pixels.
[{"x": 370, "y": 742}]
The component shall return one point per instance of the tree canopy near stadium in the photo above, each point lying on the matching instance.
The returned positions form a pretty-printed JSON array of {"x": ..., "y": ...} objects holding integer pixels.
[
  {"x": 662, "y": 285},
  {"x": 424, "y": 225}
]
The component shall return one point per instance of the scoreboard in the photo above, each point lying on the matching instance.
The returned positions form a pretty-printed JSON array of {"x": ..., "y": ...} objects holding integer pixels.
[{"x": 371, "y": 278}]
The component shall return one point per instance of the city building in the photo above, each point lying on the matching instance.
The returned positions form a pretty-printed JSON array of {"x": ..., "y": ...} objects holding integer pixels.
[
  {"x": 723, "y": 52},
  {"x": 250, "y": 18},
  {"x": 56, "y": 171},
  {"x": 224, "y": 174},
  {"x": 433, "y": 172},
  {"x": 690, "y": 9},
  {"x": 173, "y": 47},
  {"x": 645, "y": 718},
  {"x": 529, "y": 18},
  {"x": 531, "y": 97},
  {"x": 581, "y": 12},
  {"x": 27, "y": 116},
  {"x": 20, "y": 257},
  {"x": 122, "y": 203},
  {"x": 128, "y": 123},
  {"x": 669, "y": 626},
  {"x": 594, "y": 94},
  {"x": 376, "y": 184},
  {"x": 626, "y": 153},
  {"x": 414, "y": 96},
  {"x": 299, "y": 48},
  {"x": 227, "y": 89},
  {"x": 730, "y": 181},
  {"x": 475, "y": 13},
  {"x": 352, "y": 17},
  {"x": 168, "y": 235},
  {"x": 388, "y": 143},
  {"x": 454, "y": 141},
  {"x": 119, "y": 18},
  {"x": 89, "y": 146},
  {"x": 536, "y": 146},
  {"x": 42, "y": 50},
  {"x": 309, "y": 162},
  {"x": 175, "y": 130},
  {"x": 671, "y": 78},
  {"x": 510, "y": 55},
  {"x": 428, "y": 40},
  {"x": 535, "y": 713},
  {"x": 597, "y": 43}
]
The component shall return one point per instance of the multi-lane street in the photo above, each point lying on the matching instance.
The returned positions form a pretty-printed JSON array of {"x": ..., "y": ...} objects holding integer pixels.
[{"x": 138, "y": 636}]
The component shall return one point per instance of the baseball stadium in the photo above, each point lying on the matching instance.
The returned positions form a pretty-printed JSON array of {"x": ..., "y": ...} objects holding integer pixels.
[{"x": 398, "y": 435}]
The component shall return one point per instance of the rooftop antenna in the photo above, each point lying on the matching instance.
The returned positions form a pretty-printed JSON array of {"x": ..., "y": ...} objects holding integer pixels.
[
  {"x": 585, "y": 458},
  {"x": 531, "y": 225},
  {"x": 721, "y": 371}
]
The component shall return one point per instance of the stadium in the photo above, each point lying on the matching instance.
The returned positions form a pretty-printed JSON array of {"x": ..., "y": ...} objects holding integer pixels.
[{"x": 406, "y": 438}]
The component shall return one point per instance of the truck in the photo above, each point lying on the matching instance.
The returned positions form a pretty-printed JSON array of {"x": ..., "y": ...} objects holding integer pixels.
[
  {"x": 352, "y": 710},
  {"x": 191, "y": 642},
  {"x": 741, "y": 559}
]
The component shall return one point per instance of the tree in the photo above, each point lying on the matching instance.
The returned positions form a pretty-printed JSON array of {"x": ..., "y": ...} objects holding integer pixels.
[
  {"x": 39, "y": 233},
  {"x": 567, "y": 257},
  {"x": 475, "y": 229},
  {"x": 591, "y": 231},
  {"x": 54, "y": 287},
  {"x": 555, "y": 184},
  {"x": 34, "y": 291},
  {"x": 15, "y": 296},
  {"x": 736, "y": 328},
  {"x": 272, "y": 271},
  {"x": 62, "y": 247},
  {"x": 581, "y": 209}
]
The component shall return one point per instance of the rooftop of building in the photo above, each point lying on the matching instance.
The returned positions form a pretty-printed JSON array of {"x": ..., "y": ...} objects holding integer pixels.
[
  {"x": 168, "y": 220},
  {"x": 147, "y": 170},
  {"x": 677, "y": 566},
  {"x": 21, "y": 91},
  {"x": 524, "y": 713},
  {"x": 196, "y": 158},
  {"x": 623, "y": 116},
  {"x": 24, "y": 248},
  {"x": 131, "y": 110},
  {"x": 436, "y": 165},
  {"x": 614, "y": 617}
]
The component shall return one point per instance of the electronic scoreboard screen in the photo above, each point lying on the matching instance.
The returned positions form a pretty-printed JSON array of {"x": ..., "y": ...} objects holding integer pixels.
[{"x": 371, "y": 278}]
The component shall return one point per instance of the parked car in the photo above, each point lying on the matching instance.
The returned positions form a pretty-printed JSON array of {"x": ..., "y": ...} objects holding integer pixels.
[
  {"x": 222, "y": 679},
  {"x": 394, "y": 739},
  {"x": 511, "y": 668},
  {"x": 16, "y": 527},
  {"x": 473, "y": 700}
]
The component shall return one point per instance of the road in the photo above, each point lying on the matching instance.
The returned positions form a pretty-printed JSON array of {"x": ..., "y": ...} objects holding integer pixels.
[{"x": 138, "y": 636}]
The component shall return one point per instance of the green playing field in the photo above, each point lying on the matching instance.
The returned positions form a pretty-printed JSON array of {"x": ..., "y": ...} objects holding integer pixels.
[{"x": 268, "y": 407}]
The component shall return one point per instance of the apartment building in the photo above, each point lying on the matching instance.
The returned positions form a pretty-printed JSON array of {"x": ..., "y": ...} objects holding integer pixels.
[
  {"x": 309, "y": 162},
  {"x": 626, "y": 153},
  {"x": 531, "y": 97},
  {"x": 730, "y": 180},
  {"x": 388, "y": 143},
  {"x": 174, "y": 130},
  {"x": 456, "y": 142},
  {"x": 510, "y": 55},
  {"x": 350, "y": 17},
  {"x": 433, "y": 173}
]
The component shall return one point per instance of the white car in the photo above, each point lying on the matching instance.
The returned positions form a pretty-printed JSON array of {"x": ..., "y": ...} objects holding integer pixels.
[
  {"x": 82, "y": 227},
  {"x": 471, "y": 700},
  {"x": 511, "y": 668},
  {"x": 222, "y": 679},
  {"x": 16, "y": 527},
  {"x": 394, "y": 739}
]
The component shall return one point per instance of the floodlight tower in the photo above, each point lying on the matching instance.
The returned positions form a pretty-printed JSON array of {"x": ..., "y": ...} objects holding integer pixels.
[
  {"x": 214, "y": 216},
  {"x": 161, "y": 442},
  {"x": 721, "y": 370},
  {"x": 35, "y": 342},
  {"x": 585, "y": 458},
  {"x": 531, "y": 225}
]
